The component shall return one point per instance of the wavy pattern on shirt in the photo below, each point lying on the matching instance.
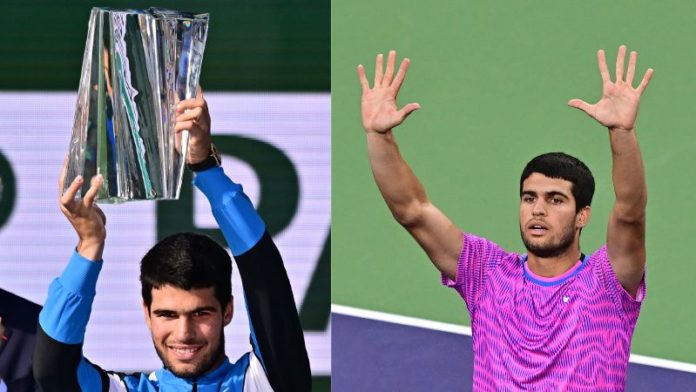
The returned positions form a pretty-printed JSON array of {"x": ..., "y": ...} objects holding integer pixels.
[{"x": 570, "y": 333}]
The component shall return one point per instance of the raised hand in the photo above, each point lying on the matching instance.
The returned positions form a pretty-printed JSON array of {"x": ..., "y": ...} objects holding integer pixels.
[
  {"x": 193, "y": 116},
  {"x": 618, "y": 107},
  {"x": 85, "y": 216},
  {"x": 379, "y": 111}
]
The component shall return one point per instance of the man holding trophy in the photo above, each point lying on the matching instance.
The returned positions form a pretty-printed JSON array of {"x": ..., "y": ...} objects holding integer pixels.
[
  {"x": 130, "y": 128},
  {"x": 186, "y": 294}
]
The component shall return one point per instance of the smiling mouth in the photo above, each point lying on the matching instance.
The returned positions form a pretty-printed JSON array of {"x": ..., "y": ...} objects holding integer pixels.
[{"x": 184, "y": 353}]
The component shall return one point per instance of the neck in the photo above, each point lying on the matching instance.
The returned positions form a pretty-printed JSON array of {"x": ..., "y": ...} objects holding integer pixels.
[
  {"x": 550, "y": 267},
  {"x": 217, "y": 363}
]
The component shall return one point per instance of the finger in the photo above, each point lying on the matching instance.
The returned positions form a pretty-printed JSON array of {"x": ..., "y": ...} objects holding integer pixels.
[
  {"x": 389, "y": 74},
  {"x": 200, "y": 101},
  {"x": 70, "y": 193},
  {"x": 603, "y": 69},
  {"x": 363, "y": 79},
  {"x": 378, "y": 70},
  {"x": 631, "y": 68},
  {"x": 94, "y": 186},
  {"x": 400, "y": 75},
  {"x": 63, "y": 172},
  {"x": 101, "y": 214},
  {"x": 183, "y": 126},
  {"x": 192, "y": 114},
  {"x": 190, "y": 103},
  {"x": 408, "y": 109},
  {"x": 200, "y": 98},
  {"x": 646, "y": 79},
  {"x": 582, "y": 105},
  {"x": 620, "y": 63}
]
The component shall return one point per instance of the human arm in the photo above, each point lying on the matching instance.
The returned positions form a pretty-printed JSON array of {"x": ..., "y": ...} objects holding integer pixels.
[
  {"x": 58, "y": 361},
  {"x": 617, "y": 110},
  {"x": 277, "y": 335},
  {"x": 402, "y": 191},
  {"x": 17, "y": 341}
]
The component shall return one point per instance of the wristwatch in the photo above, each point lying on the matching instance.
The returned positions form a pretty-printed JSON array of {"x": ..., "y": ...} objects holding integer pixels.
[{"x": 211, "y": 161}]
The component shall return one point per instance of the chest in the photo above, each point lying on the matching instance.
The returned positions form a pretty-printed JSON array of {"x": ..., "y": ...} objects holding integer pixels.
[{"x": 521, "y": 314}]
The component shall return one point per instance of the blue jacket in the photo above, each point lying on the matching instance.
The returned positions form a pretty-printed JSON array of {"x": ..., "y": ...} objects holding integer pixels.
[{"x": 278, "y": 360}]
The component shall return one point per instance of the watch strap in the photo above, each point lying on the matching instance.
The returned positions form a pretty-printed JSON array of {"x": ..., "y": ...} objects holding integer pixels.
[{"x": 212, "y": 160}]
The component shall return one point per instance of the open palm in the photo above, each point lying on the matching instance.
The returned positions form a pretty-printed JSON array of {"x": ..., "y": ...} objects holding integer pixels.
[
  {"x": 618, "y": 107},
  {"x": 379, "y": 111}
]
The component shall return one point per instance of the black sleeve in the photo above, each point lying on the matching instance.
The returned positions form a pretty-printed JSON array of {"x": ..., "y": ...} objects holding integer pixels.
[
  {"x": 15, "y": 360},
  {"x": 274, "y": 320},
  {"x": 55, "y": 363},
  {"x": 19, "y": 318}
]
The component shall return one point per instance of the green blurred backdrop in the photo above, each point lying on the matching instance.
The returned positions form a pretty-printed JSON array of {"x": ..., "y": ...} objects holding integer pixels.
[
  {"x": 264, "y": 45},
  {"x": 493, "y": 79}
]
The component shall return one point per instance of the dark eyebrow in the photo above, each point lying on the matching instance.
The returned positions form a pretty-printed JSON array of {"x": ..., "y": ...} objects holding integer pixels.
[
  {"x": 163, "y": 312},
  {"x": 212, "y": 309},
  {"x": 556, "y": 193},
  {"x": 546, "y": 194}
]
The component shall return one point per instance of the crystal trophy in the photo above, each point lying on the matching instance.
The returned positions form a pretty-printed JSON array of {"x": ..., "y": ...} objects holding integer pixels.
[{"x": 137, "y": 65}]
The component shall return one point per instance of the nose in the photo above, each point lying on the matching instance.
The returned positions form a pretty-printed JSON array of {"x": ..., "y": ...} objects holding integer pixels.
[
  {"x": 185, "y": 330},
  {"x": 539, "y": 209}
]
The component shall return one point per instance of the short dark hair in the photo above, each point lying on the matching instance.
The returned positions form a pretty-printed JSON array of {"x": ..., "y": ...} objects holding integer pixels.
[
  {"x": 566, "y": 167},
  {"x": 187, "y": 261}
]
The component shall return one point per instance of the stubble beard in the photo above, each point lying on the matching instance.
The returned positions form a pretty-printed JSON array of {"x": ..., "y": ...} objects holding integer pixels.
[
  {"x": 551, "y": 248},
  {"x": 204, "y": 365}
]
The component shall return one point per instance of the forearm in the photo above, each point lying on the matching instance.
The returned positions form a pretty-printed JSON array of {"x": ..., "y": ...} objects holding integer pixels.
[
  {"x": 233, "y": 211},
  {"x": 277, "y": 335},
  {"x": 55, "y": 363},
  {"x": 276, "y": 332},
  {"x": 91, "y": 249},
  {"x": 62, "y": 324},
  {"x": 628, "y": 176},
  {"x": 399, "y": 186},
  {"x": 60, "y": 367}
]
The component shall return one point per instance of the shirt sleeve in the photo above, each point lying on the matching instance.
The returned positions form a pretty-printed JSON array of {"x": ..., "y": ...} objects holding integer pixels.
[
  {"x": 58, "y": 362},
  {"x": 627, "y": 305},
  {"x": 255, "y": 379},
  {"x": 479, "y": 256},
  {"x": 20, "y": 318},
  {"x": 276, "y": 333}
]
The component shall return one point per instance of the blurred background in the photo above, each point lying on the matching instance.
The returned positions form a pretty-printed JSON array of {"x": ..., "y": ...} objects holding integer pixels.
[
  {"x": 493, "y": 80},
  {"x": 266, "y": 77}
]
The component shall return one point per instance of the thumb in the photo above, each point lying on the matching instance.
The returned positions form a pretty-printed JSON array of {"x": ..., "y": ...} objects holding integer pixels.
[
  {"x": 408, "y": 109},
  {"x": 580, "y": 104}
]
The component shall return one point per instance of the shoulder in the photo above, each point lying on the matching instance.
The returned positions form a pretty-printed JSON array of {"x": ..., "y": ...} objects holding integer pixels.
[
  {"x": 249, "y": 369},
  {"x": 487, "y": 253},
  {"x": 482, "y": 246},
  {"x": 132, "y": 382},
  {"x": 600, "y": 263}
]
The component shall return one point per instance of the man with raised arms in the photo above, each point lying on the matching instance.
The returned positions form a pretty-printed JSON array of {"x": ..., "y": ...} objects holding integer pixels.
[
  {"x": 187, "y": 299},
  {"x": 553, "y": 318}
]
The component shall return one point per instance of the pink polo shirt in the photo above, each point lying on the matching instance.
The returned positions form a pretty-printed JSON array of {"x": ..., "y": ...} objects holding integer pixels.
[{"x": 568, "y": 333}]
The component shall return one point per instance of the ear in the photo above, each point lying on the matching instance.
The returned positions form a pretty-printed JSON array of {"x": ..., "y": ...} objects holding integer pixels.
[
  {"x": 146, "y": 311},
  {"x": 582, "y": 218},
  {"x": 229, "y": 310}
]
